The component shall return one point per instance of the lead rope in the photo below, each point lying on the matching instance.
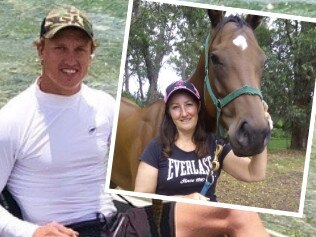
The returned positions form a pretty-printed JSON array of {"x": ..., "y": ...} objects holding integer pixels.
[{"x": 210, "y": 178}]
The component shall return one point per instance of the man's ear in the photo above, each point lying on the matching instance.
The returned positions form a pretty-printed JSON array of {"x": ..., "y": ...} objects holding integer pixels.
[{"x": 40, "y": 47}]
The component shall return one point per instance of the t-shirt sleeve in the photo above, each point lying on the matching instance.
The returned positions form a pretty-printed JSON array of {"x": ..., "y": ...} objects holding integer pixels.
[
  {"x": 109, "y": 103},
  {"x": 9, "y": 224},
  {"x": 152, "y": 153}
]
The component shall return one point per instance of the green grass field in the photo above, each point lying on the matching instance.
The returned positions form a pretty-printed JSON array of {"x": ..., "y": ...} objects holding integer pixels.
[{"x": 278, "y": 144}]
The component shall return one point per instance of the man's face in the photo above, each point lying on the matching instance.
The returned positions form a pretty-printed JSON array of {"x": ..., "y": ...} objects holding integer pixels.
[{"x": 65, "y": 61}]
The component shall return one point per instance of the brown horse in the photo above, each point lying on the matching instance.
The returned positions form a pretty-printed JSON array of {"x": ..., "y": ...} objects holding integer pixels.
[
  {"x": 234, "y": 70},
  {"x": 235, "y": 61},
  {"x": 136, "y": 127}
]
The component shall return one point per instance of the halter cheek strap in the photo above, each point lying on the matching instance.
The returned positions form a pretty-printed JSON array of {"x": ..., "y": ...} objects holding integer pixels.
[{"x": 221, "y": 103}]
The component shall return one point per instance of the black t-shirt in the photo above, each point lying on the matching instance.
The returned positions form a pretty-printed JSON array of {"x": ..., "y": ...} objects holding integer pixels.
[{"x": 183, "y": 172}]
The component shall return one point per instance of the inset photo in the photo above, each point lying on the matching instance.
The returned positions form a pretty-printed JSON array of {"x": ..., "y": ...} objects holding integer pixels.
[{"x": 216, "y": 107}]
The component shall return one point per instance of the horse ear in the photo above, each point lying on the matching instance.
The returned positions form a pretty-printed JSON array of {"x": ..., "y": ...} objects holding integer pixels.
[
  {"x": 215, "y": 16},
  {"x": 254, "y": 21}
]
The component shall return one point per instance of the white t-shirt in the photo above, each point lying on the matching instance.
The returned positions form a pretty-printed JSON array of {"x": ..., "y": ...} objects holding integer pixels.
[{"x": 53, "y": 157}]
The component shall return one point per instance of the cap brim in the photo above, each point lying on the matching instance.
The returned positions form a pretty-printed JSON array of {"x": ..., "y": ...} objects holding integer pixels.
[
  {"x": 50, "y": 34},
  {"x": 181, "y": 89}
]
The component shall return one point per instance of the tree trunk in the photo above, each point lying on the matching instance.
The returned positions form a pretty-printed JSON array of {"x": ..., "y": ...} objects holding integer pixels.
[
  {"x": 126, "y": 77},
  {"x": 299, "y": 136},
  {"x": 303, "y": 87},
  {"x": 153, "y": 94}
]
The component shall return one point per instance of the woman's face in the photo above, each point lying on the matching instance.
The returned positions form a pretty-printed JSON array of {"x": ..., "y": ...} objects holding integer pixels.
[{"x": 184, "y": 110}]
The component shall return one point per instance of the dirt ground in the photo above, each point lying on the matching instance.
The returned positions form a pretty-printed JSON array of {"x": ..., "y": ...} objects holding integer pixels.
[{"x": 280, "y": 190}]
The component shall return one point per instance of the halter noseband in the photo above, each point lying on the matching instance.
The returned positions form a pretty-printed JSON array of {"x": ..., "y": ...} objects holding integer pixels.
[{"x": 221, "y": 103}]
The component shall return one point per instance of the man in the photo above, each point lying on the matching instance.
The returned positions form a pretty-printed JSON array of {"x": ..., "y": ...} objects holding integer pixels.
[{"x": 54, "y": 138}]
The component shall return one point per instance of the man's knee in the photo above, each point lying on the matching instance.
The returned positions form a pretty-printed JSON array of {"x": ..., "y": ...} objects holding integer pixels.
[{"x": 239, "y": 221}]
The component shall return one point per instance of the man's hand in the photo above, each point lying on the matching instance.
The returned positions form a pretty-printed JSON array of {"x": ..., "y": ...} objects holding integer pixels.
[{"x": 55, "y": 229}]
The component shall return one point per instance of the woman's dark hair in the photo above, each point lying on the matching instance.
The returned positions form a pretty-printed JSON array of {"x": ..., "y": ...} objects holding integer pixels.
[{"x": 169, "y": 134}]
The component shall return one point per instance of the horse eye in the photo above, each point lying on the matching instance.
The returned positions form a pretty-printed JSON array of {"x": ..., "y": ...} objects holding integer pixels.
[{"x": 215, "y": 59}]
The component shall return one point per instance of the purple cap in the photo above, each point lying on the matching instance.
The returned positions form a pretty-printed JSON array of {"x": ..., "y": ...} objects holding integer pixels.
[{"x": 181, "y": 85}]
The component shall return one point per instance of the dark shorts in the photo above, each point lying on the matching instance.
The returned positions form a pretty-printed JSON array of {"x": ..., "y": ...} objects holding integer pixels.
[{"x": 135, "y": 222}]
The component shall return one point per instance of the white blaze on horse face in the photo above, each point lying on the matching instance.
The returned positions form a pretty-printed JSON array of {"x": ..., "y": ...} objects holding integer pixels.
[{"x": 241, "y": 42}]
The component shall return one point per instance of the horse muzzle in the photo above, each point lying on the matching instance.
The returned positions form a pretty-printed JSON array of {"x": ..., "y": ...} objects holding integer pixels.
[{"x": 248, "y": 139}]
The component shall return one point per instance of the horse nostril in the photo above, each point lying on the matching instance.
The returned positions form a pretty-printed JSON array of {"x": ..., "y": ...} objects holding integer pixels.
[
  {"x": 251, "y": 138},
  {"x": 243, "y": 135}
]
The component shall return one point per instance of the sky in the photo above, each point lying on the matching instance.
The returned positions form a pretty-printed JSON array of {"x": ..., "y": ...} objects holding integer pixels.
[{"x": 167, "y": 75}]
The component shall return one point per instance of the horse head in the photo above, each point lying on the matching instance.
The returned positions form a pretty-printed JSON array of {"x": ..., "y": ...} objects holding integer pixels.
[{"x": 233, "y": 64}]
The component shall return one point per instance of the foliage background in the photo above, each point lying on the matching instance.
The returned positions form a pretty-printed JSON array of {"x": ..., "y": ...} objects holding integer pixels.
[{"x": 292, "y": 7}]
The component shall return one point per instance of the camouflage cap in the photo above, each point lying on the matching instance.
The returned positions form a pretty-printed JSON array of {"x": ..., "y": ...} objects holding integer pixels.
[{"x": 62, "y": 17}]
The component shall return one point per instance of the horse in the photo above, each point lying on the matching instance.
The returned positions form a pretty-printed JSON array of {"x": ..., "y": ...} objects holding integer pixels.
[
  {"x": 231, "y": 64},
  {"x": 136, "y": 126}
]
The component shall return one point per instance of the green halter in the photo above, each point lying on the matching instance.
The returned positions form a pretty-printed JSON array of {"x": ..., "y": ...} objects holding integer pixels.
[{"x": 221, "y": 103}]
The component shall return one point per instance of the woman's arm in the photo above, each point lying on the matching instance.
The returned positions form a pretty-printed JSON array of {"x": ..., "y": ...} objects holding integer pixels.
[
  {"x": 146, "y": 179},
  {"x": 245, "y": 168}
]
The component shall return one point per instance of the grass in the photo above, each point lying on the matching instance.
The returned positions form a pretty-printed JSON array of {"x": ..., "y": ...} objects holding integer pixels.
[
  {"x": 280, "y": 190},
  {"x": 278, "y": 144},
  {"x": 19, "y": 65},
  {"x": 298, "y": 227}
]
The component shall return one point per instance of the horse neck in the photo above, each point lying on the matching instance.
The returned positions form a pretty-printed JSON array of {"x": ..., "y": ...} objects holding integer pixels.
[
  {"x": 197, "y": 79},
  {"x": 153, "y": 114}
]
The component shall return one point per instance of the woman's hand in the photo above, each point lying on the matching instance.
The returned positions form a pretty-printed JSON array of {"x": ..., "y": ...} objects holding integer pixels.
[
  {"x": 267, "y": 115},
  {"x": 55, "y": 229}
]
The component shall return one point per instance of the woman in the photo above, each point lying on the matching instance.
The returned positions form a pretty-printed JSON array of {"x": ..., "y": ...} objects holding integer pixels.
[{"x": 182, "y": 161}]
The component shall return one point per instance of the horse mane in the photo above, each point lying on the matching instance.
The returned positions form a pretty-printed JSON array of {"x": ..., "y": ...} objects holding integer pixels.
[
  {"x": 239, "y": 22},
  {"x": 236, "y": 19},
  {"x": 129, "y": 101}
]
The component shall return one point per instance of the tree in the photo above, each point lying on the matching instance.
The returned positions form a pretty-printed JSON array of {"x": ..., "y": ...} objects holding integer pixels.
[
  {"x": 161, "y": 30},
  {"x": 150, "y": 40},
  {"x": 304, "y": 79},
  {"x": 191, "y": 34},
  {"x": 289, "y": 75}
]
